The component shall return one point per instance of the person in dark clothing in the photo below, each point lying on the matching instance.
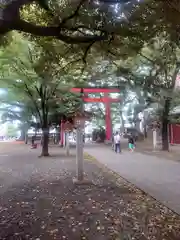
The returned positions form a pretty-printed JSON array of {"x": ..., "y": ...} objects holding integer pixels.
[{"x": 131, "y": 143}]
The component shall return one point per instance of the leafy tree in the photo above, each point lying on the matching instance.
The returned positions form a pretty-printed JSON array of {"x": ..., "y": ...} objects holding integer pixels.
[
  {"x": 59, "y": 14},
  {"x": 87, "y": 24},
  {"x": 95, "y": 24},
  {"x": 155, "y": 70},
  {"x": 30, "y": 74},
  {"x": 23, "y": 115},
  {"x": 17, "y": 107}
]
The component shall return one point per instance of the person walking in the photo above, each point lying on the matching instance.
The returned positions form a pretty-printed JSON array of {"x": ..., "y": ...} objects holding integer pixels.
[
  {"x": 131, "y": 142},
  {"x": 117, "y": 144}
]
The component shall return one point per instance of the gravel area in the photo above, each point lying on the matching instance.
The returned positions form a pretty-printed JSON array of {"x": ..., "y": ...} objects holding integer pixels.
[{"x": 39, "y": 201}]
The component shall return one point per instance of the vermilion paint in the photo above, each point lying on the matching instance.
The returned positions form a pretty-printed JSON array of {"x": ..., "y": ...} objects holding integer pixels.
[{"x": 106, "y": 100}]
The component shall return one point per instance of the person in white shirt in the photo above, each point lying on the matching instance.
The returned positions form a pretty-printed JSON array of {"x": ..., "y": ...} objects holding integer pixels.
[{"x": 117, "y": 142}]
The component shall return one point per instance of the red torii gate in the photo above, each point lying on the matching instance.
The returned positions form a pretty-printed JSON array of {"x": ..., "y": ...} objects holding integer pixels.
[{"x": 106, "y": 100}]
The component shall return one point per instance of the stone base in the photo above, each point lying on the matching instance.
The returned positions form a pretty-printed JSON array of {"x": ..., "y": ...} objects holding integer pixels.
[{"x": 82, "y": 182}]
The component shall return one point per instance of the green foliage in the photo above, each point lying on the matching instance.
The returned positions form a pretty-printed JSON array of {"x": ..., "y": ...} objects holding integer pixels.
[
  {"x": 155, "y": 68},
  {"x": 154, "y": 72},
  {"x": 38, "y": 81},
  {"x": 40, "y": 84},
  {"x": 136, "y": 53},
  {"x": 95, "y": 26}
]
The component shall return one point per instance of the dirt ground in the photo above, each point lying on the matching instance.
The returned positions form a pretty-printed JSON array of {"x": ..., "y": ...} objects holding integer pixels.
[{"x": 39, "y": 201}]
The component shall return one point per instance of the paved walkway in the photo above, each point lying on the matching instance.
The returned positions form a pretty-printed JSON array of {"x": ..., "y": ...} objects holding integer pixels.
[{"x": 158, "y": 177}]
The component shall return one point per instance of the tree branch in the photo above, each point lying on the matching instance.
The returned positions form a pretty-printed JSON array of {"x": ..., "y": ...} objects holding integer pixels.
[
  {"x": 148, "y": 59},
  {"x": 11, "y": 21},
  {"x": 27, "y": 27},
  {"x": 78, "y": 27},
  {"x": 86, "y": 51},
  {"x": 74, "y": 14}
]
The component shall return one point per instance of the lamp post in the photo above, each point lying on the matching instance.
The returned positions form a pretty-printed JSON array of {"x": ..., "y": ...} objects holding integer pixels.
[
  {"x": 79, "y": 142},
  {"x": 79, "y": 121},
  {"x": 79, "y": 154}
]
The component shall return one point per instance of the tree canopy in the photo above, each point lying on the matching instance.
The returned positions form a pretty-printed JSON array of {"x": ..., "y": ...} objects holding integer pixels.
[
  {"x": 103, "y": 43},
  {"x": 86, "y": 21},
  {"x": 40, "y": 82}
]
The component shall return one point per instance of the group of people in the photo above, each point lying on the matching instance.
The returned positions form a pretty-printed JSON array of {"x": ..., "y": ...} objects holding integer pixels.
[{"x": 117, "y": 142}]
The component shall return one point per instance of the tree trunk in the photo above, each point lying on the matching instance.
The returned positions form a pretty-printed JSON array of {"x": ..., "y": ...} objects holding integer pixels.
[
  {"x": 122, "y": 121},
  {"x": 57, "y": 135},
  {"x": 137, "y": 125},
  {"x": 165, "y": 121},
  {"x": 26, "y": 139},
  {"x": 45, "y": 142},
  {"x": 145, "y": 118},
  {"x": 67, "y": 144},
  {"x": 23, "y": 135},
  {"x": 145, "y": 131}
]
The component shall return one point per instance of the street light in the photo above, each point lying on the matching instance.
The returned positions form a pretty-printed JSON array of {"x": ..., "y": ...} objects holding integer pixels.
[
  {"x": 79, "y": 121},
  {"x": 79, "y": 143}
]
